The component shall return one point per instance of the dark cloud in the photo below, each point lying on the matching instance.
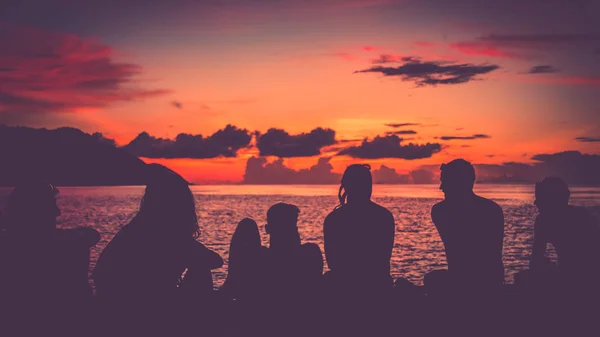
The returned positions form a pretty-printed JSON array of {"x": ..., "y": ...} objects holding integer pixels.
[
  {"x": 177, "y": 104},
  {"x": 392, "y": 58},
  {"x": 279, "y": 143},
  {"x": 391, "y": 147},
  {"x": 399, "y": 125},
  {"x": 401, "y": 132},
  {"x": 521, "y": 45},
  {"x": 387, "y": 175},
  {"x": 259, "y": 171},
  {"x": 433, "y": 73},
  {"x": 423, "y": 176},
  {"x": 543, "y": 69},
  {"x": 223, "y": 143},
  {"x": 476, "y": 136},
  {"x": 588, "y": 139},
  {"x": 573, "y": 166},
  {"x": 46, "y": 71},
  {"x": 538, "y": 40},
  {"x": 102, "y": 139}
]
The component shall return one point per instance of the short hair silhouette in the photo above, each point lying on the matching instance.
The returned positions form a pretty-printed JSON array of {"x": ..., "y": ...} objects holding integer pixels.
[
  {"x": 169, "y": 202},
  {"x": 457, "y": 175},
  {"x": 552, "y": 191},
  {"x": 33, "y": 204},
  {"x": 282, "y": 215},
  {"x": 357, "y": 182}
]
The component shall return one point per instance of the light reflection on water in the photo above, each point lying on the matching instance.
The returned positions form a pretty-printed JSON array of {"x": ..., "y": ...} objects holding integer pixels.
[{"x": 417, "y": 247}]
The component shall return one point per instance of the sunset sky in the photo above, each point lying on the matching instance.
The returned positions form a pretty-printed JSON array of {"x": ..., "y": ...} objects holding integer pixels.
[{"x": 489, "y": 81}]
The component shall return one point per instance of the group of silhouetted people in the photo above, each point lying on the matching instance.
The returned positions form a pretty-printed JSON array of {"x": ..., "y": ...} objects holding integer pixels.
[{"x": 154, "y": 278}]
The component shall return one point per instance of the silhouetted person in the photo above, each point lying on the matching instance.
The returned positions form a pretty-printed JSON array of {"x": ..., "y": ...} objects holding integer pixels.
[
  {"x": 140, "y": 271},
  {"x": 572, "y": 231},
  {"x": 472, "y": 230},
  {"x": 359, "y": 237},
  {"x": 292, "y": 275},
  {"x": 44, "y": 270},
  {"x": 244, "y": 266}
]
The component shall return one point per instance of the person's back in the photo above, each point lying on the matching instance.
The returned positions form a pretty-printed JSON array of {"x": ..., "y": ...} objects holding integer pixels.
[
  {"x": 574, "y": 235},
  {"x": 291, "y": 275},
  {"x": 44, "y": 269},
  {"x": 359, "y": 235},
  {"x": 572, "y": 231},
  {"x": 139, "y": 276},
  {"x": 472, "y": 233},
  {"x": 471, "y": 228},
  {"x": 359, "y": 240},
  {"x": 287, "y": 262}
]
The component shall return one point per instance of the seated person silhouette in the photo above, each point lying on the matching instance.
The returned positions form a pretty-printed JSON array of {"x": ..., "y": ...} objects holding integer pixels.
[
  {"x": 359, "y": 236},
  {"x": 44, "y": 269},
  {"x": 292, "y": 274},
  {"x": 572, "y": 231},
  {"x": 140, "y": 270},
  {"x": 472, "y": 230},
  {"x": 291, "y": 264},
  {"x": 244, "y": 265}
]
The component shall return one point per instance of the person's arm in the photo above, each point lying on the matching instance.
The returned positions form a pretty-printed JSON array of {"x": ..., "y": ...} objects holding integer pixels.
[
  {"x": 437, "y": 219},
  {"x": 498, "y": 238},
  {"x": 329, "y": 238},
  {"x": 389, "y": 237},
  {"x": 538, "y": 252},
  {"x": 205, "y": 258}
]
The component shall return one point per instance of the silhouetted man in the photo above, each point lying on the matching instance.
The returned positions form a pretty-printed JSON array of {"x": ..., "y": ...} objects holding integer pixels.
[
  {"x": 472, "y": 229},
  {"x": 293, "y": 274},
  {"x": 44, "y": 269},
  {"x": 572, "y": 231},
  {"x": 290, "y": 262}
]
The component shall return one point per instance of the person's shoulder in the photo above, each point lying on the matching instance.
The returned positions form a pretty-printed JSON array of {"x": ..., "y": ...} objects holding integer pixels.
[
  {"x": 382, "y": 210},
  {"x": 439, "y": 208},
  {"x": 488, "y": 204},
  {"x": 334, "y": 216}
]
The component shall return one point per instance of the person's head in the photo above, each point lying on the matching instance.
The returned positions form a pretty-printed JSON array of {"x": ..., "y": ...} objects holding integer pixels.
[
  {"x": 457, "y": 178},
  {"x": 32, "y": 207},
  {"x": 551, "y": 194},
  {"x": 282, "y": 223},
  {"x": 168, "y": 204},
  {"x": 245, "y": 238},
  {"x": 357, "y": 184}
]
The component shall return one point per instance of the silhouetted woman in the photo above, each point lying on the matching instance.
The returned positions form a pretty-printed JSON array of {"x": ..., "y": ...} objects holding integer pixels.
[
  {"x": 245, "y": 270},
  {"x": 359, "y": 234},
  {"x": 141, "y": 268},
  {"x": 44, "y": 269}
]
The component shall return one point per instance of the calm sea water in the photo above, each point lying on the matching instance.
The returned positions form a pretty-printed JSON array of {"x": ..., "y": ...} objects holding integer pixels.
[{"x": 417, "y": 248}]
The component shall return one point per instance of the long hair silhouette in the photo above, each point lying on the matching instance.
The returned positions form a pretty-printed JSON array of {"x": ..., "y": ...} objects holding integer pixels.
[
  {"x": 357, "y": 180},
  {"x": 168, "y": 204}
]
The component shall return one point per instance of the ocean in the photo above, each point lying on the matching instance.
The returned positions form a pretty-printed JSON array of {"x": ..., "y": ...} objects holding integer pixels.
[{"x": 417, "y": 247}]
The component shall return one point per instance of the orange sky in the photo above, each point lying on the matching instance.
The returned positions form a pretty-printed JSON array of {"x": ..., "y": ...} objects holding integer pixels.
[{"x": 291, "y": 66}]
